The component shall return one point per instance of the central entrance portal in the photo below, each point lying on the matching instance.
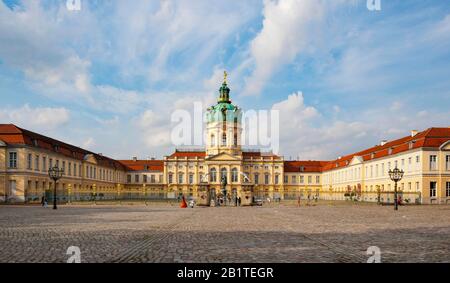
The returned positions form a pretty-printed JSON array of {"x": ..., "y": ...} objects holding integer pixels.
[{"x": 208, "y": 195}]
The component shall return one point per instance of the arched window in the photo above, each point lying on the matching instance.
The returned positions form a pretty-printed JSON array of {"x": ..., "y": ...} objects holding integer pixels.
[
  {"x": 234, "y": 175},
  {"x": 213, "y": 175},
  {"x": 224, "y": 139},
  {"x": 223, "y": 173},
  {"x": 180, "y": 178},
  {"x": 170, "y": 181},
  {"x": 213, "y": 140}
]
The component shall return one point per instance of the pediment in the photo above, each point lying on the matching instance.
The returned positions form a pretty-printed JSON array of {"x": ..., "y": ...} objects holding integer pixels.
[
  {"x": 356, "y": 160},
  {"x": 223, "y": 157},
  {"x": 445, "y": 146},
  {"x": 90, "y": 158},
  {"x": 2, "y": 143}
]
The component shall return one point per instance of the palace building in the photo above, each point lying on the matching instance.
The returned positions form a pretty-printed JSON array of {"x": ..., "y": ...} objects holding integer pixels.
[{"x": 25, "y": 158}]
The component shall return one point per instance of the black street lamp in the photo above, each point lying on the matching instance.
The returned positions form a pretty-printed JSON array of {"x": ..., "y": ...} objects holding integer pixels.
[
  {"x": 396, "y": 175},
  {"x": 55, "y": 173}
]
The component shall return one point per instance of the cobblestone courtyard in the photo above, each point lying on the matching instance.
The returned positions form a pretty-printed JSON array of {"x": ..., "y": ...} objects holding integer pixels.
[{"x": 163, "y": 233}]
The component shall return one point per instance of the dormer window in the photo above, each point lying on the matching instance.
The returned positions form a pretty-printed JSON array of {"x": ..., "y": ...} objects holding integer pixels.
[
  {"x": 372, "y": 156},
  {"x": 411, "y": 144},
  {"x": 390, "y": 150},
  {"x": 35, "y": 142},
  {"x": 56, "y": 147},
  {"x": 302, "y": 168}
]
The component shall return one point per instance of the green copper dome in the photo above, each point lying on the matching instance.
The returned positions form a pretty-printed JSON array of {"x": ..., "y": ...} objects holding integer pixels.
[{"x": 224, "y": 110}]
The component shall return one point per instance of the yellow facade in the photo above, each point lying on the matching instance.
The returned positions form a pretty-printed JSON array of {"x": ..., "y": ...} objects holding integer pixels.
[
  {"x": 249, "y": 175},
  {"x": 424, "y": 181}
]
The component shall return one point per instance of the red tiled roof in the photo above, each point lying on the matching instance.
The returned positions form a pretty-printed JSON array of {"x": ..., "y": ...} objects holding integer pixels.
[
  {"x": 432, "y": 137},
  {"x": 143, "y": 165},
  {"x": 251, "y": 154},
  {"x": 9, "y": 129},
  {"x": 188, "y": 154},
  {"x": 11, "y": 134},
  {"x": 304, "y": 166}
]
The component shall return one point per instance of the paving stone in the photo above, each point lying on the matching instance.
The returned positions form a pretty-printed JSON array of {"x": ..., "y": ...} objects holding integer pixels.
[{"x": 326, "y": 232}]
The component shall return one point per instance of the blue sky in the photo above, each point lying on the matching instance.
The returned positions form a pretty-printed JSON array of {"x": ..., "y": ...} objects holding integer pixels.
[{"x": 108, "y": 76}]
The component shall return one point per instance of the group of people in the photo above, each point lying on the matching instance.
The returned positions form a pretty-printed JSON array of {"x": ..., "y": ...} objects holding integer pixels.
[
  {"x": 310, "y": 198},
  {"x": 221, "y": 200}
]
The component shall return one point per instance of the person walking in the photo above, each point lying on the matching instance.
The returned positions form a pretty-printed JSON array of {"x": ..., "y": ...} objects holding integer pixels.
[
  {"x": 43, "y": 201},
  {"x": 183, "y": 202},
  {"x": 239, "y": 201}
]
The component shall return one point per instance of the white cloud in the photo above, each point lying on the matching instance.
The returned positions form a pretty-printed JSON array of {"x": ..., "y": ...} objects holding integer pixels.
[
  {"x": 41, "y": 118},
  {"x": 172, "y": 41},
  {"x": 287, "y": 29},
  {"x": 43, "y": 43},
  {"x": 56, "y": 48},
  {"x": 387, "y": 53},
  {"x": 155, "y": 124},
  {"x": 396, "y": 105},
  {"x": 307, "y": 133},
  {"x": 191, "y": 31},
  {"x": 295, "y": 105},
  {"x": 441, "y": 30},
  {"x": 89, "y": 143}
]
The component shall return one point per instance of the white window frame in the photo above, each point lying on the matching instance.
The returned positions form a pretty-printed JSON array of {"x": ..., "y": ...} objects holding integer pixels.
[
  {"x": 12, "y": 159},
  {"x": 36, "y": 162},
  {"x": 433, "y": 190},
  {"x": 29, "y": 161},
  {"x": 433, "y": 162},
  {"x": 447, "y": 162}
]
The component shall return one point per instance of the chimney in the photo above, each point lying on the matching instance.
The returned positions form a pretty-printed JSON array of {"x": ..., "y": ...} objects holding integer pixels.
[
  {"x": 383, "y": 142},
  {"x": 134, "y": 158},
  {"x": 414, "y": 132},
  {"x": 101, "y": 154}
]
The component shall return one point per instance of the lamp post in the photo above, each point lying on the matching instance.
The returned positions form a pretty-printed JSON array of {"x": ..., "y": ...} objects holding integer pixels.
[
  {"x": 396, "y": 175},
  {"x": 55, "y": 173}
]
